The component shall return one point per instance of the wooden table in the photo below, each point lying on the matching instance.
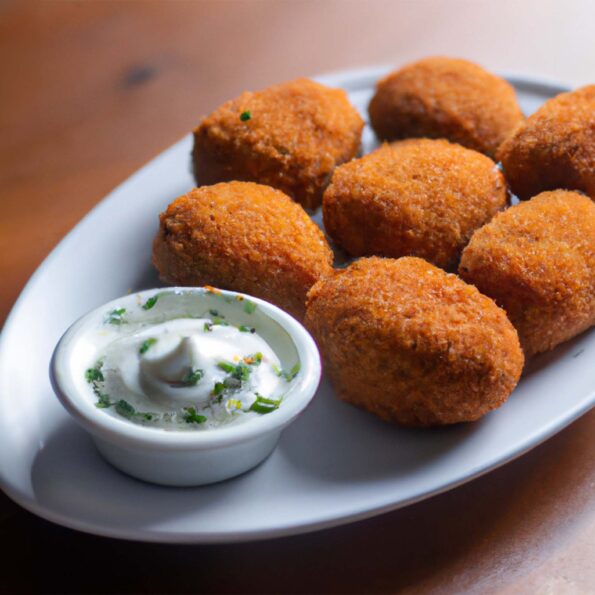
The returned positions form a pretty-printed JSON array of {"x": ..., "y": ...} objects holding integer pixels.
[{"x": 90, "y": 91}]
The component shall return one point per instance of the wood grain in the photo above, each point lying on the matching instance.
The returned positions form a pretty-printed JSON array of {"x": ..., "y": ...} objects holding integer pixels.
[{"x": 92, "y": 90}]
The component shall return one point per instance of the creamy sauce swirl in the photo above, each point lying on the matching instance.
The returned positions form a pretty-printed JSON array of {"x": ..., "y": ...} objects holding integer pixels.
[{"x": 188, "y": 373}]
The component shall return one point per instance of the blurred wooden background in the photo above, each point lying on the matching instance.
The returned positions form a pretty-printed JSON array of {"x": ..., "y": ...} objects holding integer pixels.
[{"x": 90, "y": 91}]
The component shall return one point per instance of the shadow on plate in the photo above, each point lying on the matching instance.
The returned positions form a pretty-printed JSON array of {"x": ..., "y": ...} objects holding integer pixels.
[
  {"x": 574, "y": 349},
  {"x": 70, "y": 477},
  {"x": 338, "y": 442}
]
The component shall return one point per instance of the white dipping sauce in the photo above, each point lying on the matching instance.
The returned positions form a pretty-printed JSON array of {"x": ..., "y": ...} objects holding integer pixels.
[{"x": 188, "y": 373}]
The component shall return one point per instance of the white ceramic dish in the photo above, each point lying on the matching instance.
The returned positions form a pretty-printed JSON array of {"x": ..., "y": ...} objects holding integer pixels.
[
  {"x": 197, "y": 457},
  {"x": 335, "y": 464}
]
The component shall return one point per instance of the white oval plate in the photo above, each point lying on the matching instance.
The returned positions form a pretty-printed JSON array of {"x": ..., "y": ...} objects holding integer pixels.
[{"x": 336, "y": 464}]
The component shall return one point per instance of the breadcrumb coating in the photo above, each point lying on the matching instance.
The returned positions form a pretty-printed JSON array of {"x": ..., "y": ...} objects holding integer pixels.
[
  {"x": 290, "y": 136},
  {"x": 413, "y": 344},
  {"x": 537, "y": 260},
  {"x": 446, "y": 98},
  {"x": 417, "y": 197},
  {"x": 245, "y": 237},
  {"x": 555, "y": 147}
]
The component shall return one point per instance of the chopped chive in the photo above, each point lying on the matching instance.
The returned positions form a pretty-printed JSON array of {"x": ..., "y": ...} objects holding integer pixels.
[
  {"x": 192, "y": 377},
  {"x": 191, "y": 417},
  {"x": 116, "y": 316},
  {"x": 94, "y": 375},
  {"x": 293, "y": 372},
  {"x": 146, "y": 345},
  {"x": 241, "y": 372},
  {"x": 263, "y": 405},
  {"x": 208, "y": 327},
  {"x": 218, "y": 388},
  {"x": 125, "y": 409},
  {"x": 226, "y": 367},
  {"x": 103, "y": 401},
  {"x": 246, "y": 329},
  {"x": 219, "y": 321},
  {"x": 287, "y": 375},
  {"x": 150, "y": 302},
  {"x": 214, "y": 312},
  {"x": 245, "y": 116},
  {"x": 249, "y": 307}
]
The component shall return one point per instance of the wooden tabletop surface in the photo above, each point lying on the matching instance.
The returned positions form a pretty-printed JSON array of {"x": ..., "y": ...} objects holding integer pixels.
[{"x": 92, "y": 90}]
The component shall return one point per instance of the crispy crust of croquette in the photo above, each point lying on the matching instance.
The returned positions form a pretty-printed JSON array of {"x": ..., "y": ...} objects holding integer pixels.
[
  {"x": 297, "y": 133},
  {"x": 418, "y": 197},
  {"x": 244, "y": 237},
  {"x": 446, "y": 98},
  {"x": 555, "y": 147},
  {"x": 537, "y": 260},
  {"x": 413, "y": 344}
]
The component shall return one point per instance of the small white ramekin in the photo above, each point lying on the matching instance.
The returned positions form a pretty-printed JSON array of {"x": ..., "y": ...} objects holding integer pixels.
[{"x": 187, "y": 458}]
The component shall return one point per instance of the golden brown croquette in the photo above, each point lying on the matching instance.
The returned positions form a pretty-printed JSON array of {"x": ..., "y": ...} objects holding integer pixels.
[
  {"x": 446, "y": 98},
  {"x": 290, "y": 136},
  {"x": 418, "y": 197},
  {"x": 537, "y": 260},
  {"x": 244, "y": 237},
  {"x": 555, "y": 147},
  {"x": 413, "y": 344}
]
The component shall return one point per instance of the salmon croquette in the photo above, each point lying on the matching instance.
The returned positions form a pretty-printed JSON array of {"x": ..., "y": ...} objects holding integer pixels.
[
  {"x": 413, "y": 344},
  {"x": 290, "y": 136},
  {"x": 537, "y": 260},
  {"x": 245, "y": 237},
  {"x": 417, "y": 197},
  {"x": 555, "y": 148},
  {"x": 446, "y": 98}
]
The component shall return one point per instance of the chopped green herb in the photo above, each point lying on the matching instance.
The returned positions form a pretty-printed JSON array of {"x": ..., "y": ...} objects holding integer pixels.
[
  {"x": 245, "y": 116},
  {"x": 94, "y": 375},
  {"x": 208, "y": 327},
  {"x": 241, "y": 372},
  {"x": 191, "y": 417},
  {"x": 116, "y": 316},
  {"x": 103, "y": 401},
  {"x": 263, "y": 405},
  {"x": 214, "y": 312},
  {"x": 146, "y": 345},
  {"x": 150, "y": 302},
  {"x": 293, "y": 372},
  {"x": 226, "y": 367},
  {"x": 246, "y": 329},
  {"x": 220, "y": 322},
  {"x": 125, "y": 409},
  {"x": 218, "y": 388},
  {"x": 249, "y": 307},
  {"x": 192, "y": 377},
  {"x": 288, "y": 375}
]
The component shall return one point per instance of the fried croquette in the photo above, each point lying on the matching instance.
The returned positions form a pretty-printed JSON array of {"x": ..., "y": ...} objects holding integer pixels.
[
  {"x": 290, "y": 136},
  {"x": 537, "y": 260},
  {"x": 413, "y": 344},
  {"x": 554, "y": 148},
  {"x": 244, "y": 237},
  {"x": 418, "y": 197},
  {"x": 446, "y": 98}
]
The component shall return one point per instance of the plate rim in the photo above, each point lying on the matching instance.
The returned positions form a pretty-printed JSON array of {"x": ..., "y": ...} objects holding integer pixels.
[{"x": 358, "y": 77}]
